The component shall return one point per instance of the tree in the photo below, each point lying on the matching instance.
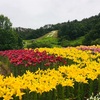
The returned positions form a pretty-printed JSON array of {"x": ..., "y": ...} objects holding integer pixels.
[
  {"x": 9, "y": 39},
  {"x": 5, "y": 22}
]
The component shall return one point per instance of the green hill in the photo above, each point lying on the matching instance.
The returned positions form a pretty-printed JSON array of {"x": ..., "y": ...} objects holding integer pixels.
[
  {"x": 71, "y": 33},
  {"x": 51, "y": 40},
  {"x": 48, "y": 40}
]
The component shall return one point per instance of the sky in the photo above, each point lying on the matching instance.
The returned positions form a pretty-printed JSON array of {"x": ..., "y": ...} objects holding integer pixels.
[{"x": 37, "y": 13}]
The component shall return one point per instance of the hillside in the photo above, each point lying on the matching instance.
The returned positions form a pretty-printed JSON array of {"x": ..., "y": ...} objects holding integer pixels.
[
  {"x": 52, "y": 34},
  {"x": 71, "y": 33},
  {"x": 48, "y": 39}
]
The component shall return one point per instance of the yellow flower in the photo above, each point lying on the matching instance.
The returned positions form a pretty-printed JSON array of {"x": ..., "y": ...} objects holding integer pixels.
[
  {"x": 68, "y": 82},
  {"x": 7, "y": 96},
  {"x": 19, "y": 93},
  {"x": 81, "y": 78}
]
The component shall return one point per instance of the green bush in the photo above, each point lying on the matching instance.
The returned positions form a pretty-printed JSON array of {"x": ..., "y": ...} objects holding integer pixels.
[
  {"x": 9, "y": 40},
  {"x": 95, "y": 42},
  {"x": 44, "y": 42}
]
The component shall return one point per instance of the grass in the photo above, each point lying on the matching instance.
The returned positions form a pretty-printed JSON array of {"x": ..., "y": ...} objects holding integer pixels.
[
  {"x": 78, "y": 41},
  {"x": 49, "y": 38}
]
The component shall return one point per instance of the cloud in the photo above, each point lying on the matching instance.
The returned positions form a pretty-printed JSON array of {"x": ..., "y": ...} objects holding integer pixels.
[{"x": 37, "y": 13}]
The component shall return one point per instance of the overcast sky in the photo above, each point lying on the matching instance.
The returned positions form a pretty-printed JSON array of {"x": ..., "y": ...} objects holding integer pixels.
[{"x": 37, "y": 13}]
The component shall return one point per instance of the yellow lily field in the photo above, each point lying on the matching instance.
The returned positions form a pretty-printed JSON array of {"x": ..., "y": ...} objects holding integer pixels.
[{"x": 75, "y": 80}]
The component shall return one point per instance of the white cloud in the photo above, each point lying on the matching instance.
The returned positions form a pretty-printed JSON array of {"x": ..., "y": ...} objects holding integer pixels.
[{"x": 37, "y": 13}]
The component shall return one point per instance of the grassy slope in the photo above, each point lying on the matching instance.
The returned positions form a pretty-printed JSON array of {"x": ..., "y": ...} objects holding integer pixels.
[
  {"x": 52, "y": 37},
  {"x": 78, "y": 41},
  {"x": 50, "y": 34}
]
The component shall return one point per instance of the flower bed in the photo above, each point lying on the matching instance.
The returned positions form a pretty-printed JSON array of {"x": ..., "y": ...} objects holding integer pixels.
[
  {"x": 77, "y": 79},
  {"x": 22, "y": 60}
]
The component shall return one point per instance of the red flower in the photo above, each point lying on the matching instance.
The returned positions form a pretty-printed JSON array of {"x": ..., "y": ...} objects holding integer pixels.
[{"x": 47, "y": 64}]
